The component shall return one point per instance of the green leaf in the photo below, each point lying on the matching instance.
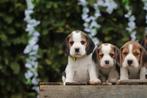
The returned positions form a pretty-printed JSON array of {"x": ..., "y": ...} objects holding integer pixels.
[
  {"x": 15, "y": 67},
  {"x": 126, "y": 2}
]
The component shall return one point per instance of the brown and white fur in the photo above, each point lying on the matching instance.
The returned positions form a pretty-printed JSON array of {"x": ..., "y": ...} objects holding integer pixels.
[
  {"x": 144, "y": 42},
  {"x": 80, "y": 67},
  {"x": 106, "y": 57},
  {"x": 132, "y": 60}
]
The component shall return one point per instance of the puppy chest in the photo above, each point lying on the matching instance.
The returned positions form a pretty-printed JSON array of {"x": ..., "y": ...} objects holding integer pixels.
[
  {"x": 105, "y": 71},
  {"x": 81, "y": 74},
  {"x": 133, "y": 73}
]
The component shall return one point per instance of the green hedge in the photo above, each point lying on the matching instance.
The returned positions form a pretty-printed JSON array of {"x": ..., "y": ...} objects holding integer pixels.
[{"x": 58, "y": 18}]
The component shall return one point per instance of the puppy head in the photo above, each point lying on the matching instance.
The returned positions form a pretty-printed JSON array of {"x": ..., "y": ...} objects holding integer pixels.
[
  {"x": 78, "y": 44},
  {"x": 107, "y": 55},
  {"x": 132, "y": 55}
]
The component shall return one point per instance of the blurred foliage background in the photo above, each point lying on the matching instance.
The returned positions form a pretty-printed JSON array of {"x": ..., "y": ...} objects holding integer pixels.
[{"x": 58, "y": 18}]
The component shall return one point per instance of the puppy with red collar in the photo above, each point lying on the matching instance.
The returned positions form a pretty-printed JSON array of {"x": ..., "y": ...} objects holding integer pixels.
[
  {"x": 132, "y": 60},
  {"x": 106, "y": 57},
  {"x": 80, "y": 67}
]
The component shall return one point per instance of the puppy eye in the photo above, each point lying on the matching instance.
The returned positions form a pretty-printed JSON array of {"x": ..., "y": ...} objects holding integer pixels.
[
  {"x": 71, "y": 42},
  {"x": 111, "y": 54},
  {"x": 125, "y": 53},
  {"x": 101, "y": 55},
  {"x": 83, "y": 42},
  {"x": 136, "y": 53}
]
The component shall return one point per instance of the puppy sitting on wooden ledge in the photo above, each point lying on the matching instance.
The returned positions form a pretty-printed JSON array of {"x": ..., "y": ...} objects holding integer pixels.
[
  {"x": 80, "y": 67},
  {"x": 132, "y": 58},
  {"x": 106, "y": 57}
]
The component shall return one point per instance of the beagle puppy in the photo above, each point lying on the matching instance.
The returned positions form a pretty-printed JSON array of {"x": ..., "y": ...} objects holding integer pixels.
[
  {"x": 80, "y": 67},
  {"x": 144, "y": 44},
  {"x": 132, "y": 60},
  {"x": 106, "y": 56}
]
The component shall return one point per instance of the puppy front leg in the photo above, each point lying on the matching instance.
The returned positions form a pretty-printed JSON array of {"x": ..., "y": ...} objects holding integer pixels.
[
  {"x": 124, "y": 74},
  {"x": 69, "y": 74},
  {"x": 93, "y": 75},
  {"x": 143, "y": 73}
]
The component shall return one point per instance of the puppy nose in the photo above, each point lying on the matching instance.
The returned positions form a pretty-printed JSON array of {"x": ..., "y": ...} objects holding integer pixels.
[
  {"x": 130, "y": 62},
  {"x": 106, "y": 62},
  {"x": 76, "y": 49}
]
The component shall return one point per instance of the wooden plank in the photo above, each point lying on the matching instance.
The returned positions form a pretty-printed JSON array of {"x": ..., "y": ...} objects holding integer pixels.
[
  {"x": 50, "y": 83},
  {"x": 132, "y": 82},
  {"x": 122, "y": 82},
  {"x": 124, "y": 89},
  {"x": 93, "y": 91}
]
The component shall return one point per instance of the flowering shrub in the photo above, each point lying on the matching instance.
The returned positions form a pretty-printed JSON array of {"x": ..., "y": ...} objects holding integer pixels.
[{"x": 57, "y": 19}]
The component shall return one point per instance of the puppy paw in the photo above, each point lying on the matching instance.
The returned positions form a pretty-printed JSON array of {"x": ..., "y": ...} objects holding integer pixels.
[
  {"x": 113, "y": 80},
  {"x": 96, "y": 81},
  {"x": 107, "y": 83},
  {"x": 121, "y": 79}
]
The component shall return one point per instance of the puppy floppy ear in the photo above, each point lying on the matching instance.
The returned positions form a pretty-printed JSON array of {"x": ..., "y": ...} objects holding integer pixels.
[
  {"x": 116, "y": 54},
  {"x": 90, "y": 45},
  {"x": 120, "y": 56},
  {"x": 66, "y": 45},
  {"x": 117, "y": 58},
  {"x": 143, "y": 57},
  {"x": 95, "y": 55}
]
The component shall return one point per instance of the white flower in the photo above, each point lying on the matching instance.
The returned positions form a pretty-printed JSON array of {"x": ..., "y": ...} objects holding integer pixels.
[
  {"x": 93, "y": 32},
  {"x": 88, "y": 19},
  {"x": 36, "y": 88},
  {"x": 27, "y": 49},
  {"x": 84, "y": 16},
  {"x": 30, "y": 4},
  {"x": 132, "y": 18},
  {"x": 33, "y": 40},
  {"x": 36, "y": 34},
  {"x": 32, "y": 47},
  {"x": 28, "y": 12},
  {"x": 29, "y": 28},
  {"x": 85, "y": 24},
  {"x": 35, "y": 81},
  {"x": 35, "y": 47},
  {"x": 97, "y": 14},
  {"x": 82, "y": 2},
  {"x": 85, "y": 10},
  {"x": 93, "y": 24},
  {"x": 133, "y": 35},
  {"x": 96, "y": 40},
  {"x": 111, "y": 6},
  {"x": 28, "y": 74},
  {"x": 129, "y": 29},
  {"x": 101, "y": 2},
  {"x": 128, "y": 14},
  {"x": 132, "y": 25},
  {"x": 87, "y": 29},
  {"x": 28, "y": 65},
  {"x": 90, "y": 24},
  {"x": 145, "y": 6}
]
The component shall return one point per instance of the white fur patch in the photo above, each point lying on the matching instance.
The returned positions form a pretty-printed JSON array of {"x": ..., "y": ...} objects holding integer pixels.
[
  {"x": 106, "y": 49},
  {"x": 77, "y": 38},
  {"x": 81, "y": 70},
  {"x": 130, "y": 56}
]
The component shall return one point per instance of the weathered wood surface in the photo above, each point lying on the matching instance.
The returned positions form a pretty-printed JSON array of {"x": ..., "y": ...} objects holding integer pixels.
[{"x": 56, "y": 90}]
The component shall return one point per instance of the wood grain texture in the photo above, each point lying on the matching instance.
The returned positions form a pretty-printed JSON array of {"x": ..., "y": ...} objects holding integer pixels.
[{"x": 93, "y": 91}]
